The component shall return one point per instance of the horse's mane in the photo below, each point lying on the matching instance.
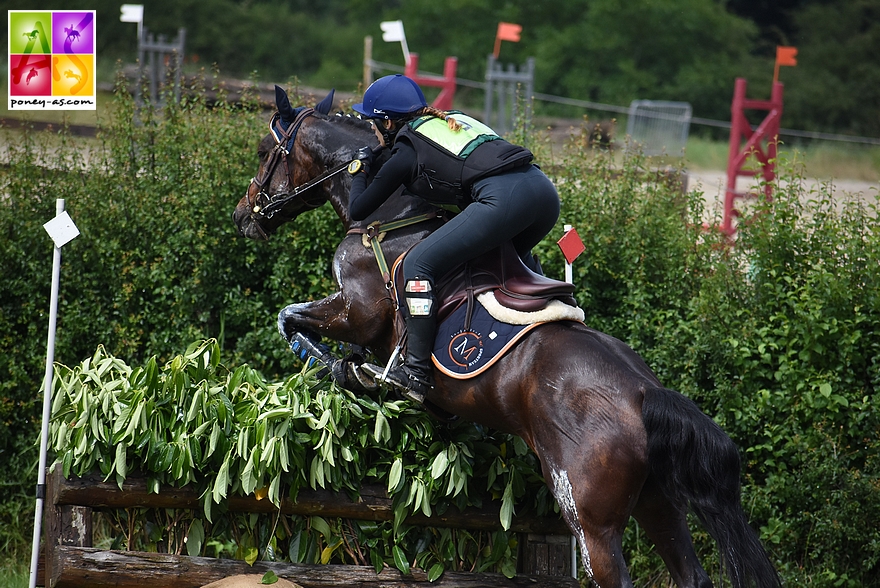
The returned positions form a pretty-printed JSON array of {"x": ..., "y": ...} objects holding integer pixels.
[{"x": 348, "y": 120}]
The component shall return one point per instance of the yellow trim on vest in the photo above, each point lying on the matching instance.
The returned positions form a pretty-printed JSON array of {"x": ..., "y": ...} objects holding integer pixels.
[{"x": 456, "y": 142}]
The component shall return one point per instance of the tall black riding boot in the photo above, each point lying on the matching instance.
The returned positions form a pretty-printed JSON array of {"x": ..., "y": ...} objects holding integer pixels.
[
  {"x": 531, "y": 261},
  {"x": 415, "y": 377}
]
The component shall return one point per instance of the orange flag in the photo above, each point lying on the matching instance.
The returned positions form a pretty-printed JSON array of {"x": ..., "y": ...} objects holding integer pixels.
[
  {"x": 784, "y": 56},
  {"x": 506, "y": 32}
]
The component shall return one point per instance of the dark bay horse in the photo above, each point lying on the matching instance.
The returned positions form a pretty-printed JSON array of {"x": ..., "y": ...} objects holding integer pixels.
[{"x": 612, "y": 440}]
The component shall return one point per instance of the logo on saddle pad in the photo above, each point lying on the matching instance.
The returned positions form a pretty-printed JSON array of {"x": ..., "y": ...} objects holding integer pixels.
[{"x": 466, "y": 348}]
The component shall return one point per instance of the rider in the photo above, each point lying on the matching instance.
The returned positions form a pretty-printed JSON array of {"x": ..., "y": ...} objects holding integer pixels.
[{"x": 447, "y": 158}]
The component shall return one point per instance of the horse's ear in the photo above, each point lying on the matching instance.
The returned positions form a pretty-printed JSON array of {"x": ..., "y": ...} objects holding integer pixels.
[
  {"x": 326, "y": 104},
  {"x": 282, "y": 102}
]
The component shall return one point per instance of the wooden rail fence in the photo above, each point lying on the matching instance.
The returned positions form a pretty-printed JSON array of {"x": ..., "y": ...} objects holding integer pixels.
[{"x": 72, "y": 562}]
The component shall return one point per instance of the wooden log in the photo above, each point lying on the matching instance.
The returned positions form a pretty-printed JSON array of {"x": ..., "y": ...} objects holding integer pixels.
[
  {"x": 374, "y": 504},
  {"x": 83, "y": 567}
]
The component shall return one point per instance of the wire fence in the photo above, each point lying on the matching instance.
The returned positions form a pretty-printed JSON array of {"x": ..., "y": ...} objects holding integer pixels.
[{"x": 696, "y": 120}]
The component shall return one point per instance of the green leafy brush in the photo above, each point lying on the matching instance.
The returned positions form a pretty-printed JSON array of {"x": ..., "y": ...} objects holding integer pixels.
[{"x": 229, "y": 432}]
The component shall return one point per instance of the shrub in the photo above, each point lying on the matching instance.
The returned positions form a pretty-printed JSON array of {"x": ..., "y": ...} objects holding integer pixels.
[
  {"x": 229, "y": 432},
  {"x": 776, "y": 338}
]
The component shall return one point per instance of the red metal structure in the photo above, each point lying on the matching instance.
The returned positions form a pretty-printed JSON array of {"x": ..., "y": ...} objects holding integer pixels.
[
  {"x": 744, "y": 142},
  {"x": 446, "y": 83}
]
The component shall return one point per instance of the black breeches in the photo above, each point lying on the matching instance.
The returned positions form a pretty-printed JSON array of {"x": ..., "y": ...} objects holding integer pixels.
[{"x": 520, "y": 206}]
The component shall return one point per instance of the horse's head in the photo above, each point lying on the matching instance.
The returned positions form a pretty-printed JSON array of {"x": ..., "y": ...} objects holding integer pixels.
[{"x": 300, "y": 146}]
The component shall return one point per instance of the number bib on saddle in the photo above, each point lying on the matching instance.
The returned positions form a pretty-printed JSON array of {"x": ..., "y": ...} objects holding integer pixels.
[{"x": 462, "y": 352}]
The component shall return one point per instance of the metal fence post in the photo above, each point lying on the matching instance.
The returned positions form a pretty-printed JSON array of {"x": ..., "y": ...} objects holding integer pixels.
[
  {"x": 155, "y": 56},
  {"x": 502, "y": 91}
]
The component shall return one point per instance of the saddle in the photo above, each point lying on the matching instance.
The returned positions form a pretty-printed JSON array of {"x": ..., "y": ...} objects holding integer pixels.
[{"x": 500, "y": 271}]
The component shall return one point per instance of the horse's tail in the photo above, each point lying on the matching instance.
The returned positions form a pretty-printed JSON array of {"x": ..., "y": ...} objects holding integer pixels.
[{"x": 697, "y": 464}]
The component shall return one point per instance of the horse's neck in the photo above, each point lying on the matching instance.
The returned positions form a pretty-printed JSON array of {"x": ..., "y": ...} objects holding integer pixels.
[{"x": 336, "y": 140}]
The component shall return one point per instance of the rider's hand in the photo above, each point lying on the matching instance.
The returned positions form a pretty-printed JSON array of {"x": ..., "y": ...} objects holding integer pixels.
[{"x": 362, "y": 161}]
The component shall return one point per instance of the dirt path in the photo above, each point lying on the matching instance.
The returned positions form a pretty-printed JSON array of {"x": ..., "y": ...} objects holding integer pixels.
[{"x": 713, "y": 184}]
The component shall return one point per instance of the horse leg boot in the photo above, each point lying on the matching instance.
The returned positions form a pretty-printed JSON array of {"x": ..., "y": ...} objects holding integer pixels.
[
  {"x": 344, "y": 371},
  {"x": 415, "y": 378}
]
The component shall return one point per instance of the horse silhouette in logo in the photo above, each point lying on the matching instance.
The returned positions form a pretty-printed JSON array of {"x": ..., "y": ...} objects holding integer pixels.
[
  {"x": 31, "y": 74},
  {"x": 72, "y": 33},
  {"x": 32, "y": 35},
  {"x": 70, "y": 74}
]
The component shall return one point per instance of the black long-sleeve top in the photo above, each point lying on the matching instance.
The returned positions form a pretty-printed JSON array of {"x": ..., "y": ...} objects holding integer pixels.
[{"x": 367, "y": 195}]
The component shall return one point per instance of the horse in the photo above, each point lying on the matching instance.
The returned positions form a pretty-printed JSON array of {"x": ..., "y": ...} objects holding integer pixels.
[
  {"x": 72, "y": 33},
  {"x": 612, "y": 441}
]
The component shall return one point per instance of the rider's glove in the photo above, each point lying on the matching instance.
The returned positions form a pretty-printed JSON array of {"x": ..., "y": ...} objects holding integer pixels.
[{"x": 362, "y": 161}]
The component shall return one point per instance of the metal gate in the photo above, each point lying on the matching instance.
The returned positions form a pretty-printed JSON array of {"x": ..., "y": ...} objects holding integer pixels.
[
  {"x": 505, "y": 91},
  {"x": 658, "y": 127},
  {"x": 159, "y": 60}
]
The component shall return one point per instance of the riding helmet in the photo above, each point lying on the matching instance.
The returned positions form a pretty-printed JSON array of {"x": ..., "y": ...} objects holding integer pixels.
[{"x": 391, "y": 97}]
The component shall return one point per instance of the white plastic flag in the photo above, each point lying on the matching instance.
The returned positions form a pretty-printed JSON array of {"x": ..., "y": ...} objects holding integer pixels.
[
  {"x": 132, "y": 13},
  {"x": 392, "y": 31},
  {"x": 61, "y": 229}
]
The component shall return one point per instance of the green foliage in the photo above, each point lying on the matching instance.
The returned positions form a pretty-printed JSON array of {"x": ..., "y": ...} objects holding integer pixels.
[
  {"x": 158, "y": 263},
  {"x": 775, "y": 337},
  {"x": 602, "y": 51},
  {"x": 230, "y": 433}
]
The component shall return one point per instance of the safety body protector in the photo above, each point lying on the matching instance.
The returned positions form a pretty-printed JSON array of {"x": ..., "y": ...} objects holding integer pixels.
[{"x": 449, "y": 162}]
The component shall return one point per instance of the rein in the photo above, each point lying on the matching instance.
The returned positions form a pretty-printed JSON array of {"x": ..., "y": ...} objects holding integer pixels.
[{"x": 280, "y": 200}]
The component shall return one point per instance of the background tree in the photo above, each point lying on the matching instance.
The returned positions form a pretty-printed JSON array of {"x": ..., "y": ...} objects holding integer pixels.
[{"x": 598, "y": 50}]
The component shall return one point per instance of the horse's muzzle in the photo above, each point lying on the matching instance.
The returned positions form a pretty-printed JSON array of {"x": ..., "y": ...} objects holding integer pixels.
[{"x": 248, "y": 226}]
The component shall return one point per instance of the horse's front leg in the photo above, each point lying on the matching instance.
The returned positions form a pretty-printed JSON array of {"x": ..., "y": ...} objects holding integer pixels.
[
  {"x": 304, "y": 324},
  {"x": 323, "y": 317}
]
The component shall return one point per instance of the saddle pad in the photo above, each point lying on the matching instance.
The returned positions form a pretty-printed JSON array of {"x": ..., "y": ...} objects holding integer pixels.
[
  {"x": 464, "y": 353},
  {"x": 554, "y": 310}
]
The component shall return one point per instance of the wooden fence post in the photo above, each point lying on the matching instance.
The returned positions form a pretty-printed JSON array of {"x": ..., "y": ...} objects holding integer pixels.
[
  {"x": 65, "y": 524},
  {"x": 548, "y": 555}
]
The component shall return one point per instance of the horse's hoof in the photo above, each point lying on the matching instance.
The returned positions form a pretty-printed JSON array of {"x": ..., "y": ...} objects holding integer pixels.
[{"x": 365, "y": 379}]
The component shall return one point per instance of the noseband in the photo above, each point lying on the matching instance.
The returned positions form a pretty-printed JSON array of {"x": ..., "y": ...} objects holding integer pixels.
[{"x": 266, "y": 205}]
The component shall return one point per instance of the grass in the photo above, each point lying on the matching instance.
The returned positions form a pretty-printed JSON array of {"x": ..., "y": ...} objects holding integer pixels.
[
  {"x": 821, "y": 159},
  {"x": 14, "y": 573}
]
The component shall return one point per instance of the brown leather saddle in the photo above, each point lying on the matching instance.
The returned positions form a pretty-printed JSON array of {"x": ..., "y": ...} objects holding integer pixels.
[{"x": 500, "y": 270}]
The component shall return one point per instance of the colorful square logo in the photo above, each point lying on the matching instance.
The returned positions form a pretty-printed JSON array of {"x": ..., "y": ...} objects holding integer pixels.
[{"x": 52, "y": 60}]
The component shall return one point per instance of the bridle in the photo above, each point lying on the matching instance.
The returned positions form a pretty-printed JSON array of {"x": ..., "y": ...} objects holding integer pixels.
[{"x": 266, "y": 205}]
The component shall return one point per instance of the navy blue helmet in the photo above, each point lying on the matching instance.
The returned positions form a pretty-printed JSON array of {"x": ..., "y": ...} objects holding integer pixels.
[{"x": 391, "y": 97}]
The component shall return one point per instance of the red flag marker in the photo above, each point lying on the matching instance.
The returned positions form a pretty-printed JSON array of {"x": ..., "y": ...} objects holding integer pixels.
[
  {"x": 571, "y": 245},
  {"x": 785, "y": 56},
  {"x": 506, "y": 32}
]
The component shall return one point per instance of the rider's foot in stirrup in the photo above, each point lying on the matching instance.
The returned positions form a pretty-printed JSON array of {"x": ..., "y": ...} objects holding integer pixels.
[{"x": 408, "y": 383}]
